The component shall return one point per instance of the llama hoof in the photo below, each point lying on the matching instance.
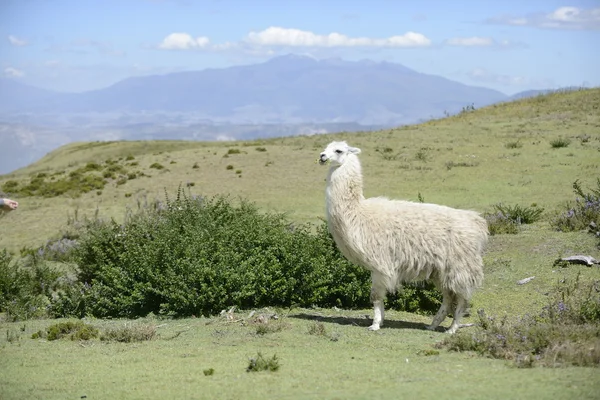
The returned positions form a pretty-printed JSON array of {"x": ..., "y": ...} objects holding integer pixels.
[{"x": 374, "y": 327}]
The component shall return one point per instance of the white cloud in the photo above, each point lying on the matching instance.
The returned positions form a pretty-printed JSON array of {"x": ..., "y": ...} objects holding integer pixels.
[
  {"x": 15, "y": 41},
  {"x": 183, "y": 41},
  {"x": 479, "y": 41},
  {"x": 485, "y": 76},
  {"x": 562, "y": 18},
  {"x": 277, "y": 36},
  {"x": 471, "y": 41},
  {"x": 11, "y": 72}
]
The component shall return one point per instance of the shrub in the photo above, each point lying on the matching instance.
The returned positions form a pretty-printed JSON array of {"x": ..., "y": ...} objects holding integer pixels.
[
  {"x": 26, "y": 286},
  {"x": 129, "y": 157},
  {"x": 519, "y": 214},
  {"x": 199, "y": 256},
  {"x": 560, "y": 142},
  {"x": 130, "y": 332},
  {"x": 229, "y": 167},
  {"x": 260, "y": 363},
  {"x": 452, "y": 164},
  {"x": 422, "y": 155},
  {"x": 514, "y": 145},
  {"x": 75, "y": 330},
  {"x": 233, "y": 151},
  {"x": 92, "y": 166},
  {"x": 565, "y": 332},
  {"x": 195, "y": 166},
  {"x": 261, "y": 149},
  {"x": 581, "y": 213},
  {"x": 507, "y": 219},
  {"x": 156, "y": 166},
  {"x": 74, "y": 185},
  {"x": 387, "y": 153},
  {"x": 116, "y": 169}
]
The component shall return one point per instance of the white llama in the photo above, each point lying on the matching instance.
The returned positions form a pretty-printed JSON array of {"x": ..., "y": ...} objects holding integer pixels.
[{"x": 401, "y": 241}]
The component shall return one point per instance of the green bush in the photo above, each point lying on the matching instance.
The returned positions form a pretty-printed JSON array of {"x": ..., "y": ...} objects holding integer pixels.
[
  {"x": 156, "y": 166},
  {"x": 560, "y": 142},
  {"x": 581, "y": 214},
  {"x": 199, "y": 256},
  {"x": 26, "y": 286},
  {"x": 75, "y": 330},
  {"x": 506, "y": 219},
  {"x": 76, "y": 183},
  {"x": 514, "y": 145}
]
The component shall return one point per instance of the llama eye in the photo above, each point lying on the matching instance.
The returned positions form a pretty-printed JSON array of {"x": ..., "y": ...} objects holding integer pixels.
[{"x": 338, "y": 152}]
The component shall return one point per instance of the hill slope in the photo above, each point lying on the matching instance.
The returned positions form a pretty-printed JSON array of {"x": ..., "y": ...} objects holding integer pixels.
[{"x": 501, "y": 153}]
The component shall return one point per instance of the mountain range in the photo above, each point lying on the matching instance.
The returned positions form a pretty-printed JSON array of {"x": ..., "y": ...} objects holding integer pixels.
[{"x": 286, "y": 95}]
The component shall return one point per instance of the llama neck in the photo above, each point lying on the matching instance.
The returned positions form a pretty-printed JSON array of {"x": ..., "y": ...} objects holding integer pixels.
[{"x": 345, "y": 186}]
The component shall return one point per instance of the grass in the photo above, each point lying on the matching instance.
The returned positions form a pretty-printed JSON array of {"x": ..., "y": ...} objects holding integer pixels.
[
  {"x": 296, "y": 184},
  {"x": 328, "y": 353}
]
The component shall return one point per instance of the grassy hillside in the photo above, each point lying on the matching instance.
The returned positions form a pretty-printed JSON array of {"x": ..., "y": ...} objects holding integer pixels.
[
  {"x": 525, "y": 152},
  {"x": 501, "y": 153}
]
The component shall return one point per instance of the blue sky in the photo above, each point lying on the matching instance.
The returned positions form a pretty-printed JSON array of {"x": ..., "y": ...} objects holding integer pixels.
[{"x": 77, "y": 45}]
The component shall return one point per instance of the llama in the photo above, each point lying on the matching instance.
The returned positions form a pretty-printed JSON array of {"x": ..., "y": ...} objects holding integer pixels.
[{"x": 401, "y": 241}]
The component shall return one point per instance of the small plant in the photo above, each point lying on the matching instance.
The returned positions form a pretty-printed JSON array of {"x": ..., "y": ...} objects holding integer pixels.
[
  {"x": 269, "y": 163},
  {"x": 131, "y": 175},
  {"x": 260, "y": 363},
  {"x": 238, "y": 171},
  {"x": 190, "y": 184},
  {"x": 130, "y": 332},
  {"x": 387, "y": 153},
  {"x": 514, "y": 145},
  {"x": 420, "y": 198},
  {"x": 209, "y": 372},
  {"x": 233, "y": 151},
  {"x": 519, "y": 214},
  {"x": 229, "y": 167},
  {"x": 195, "y": 166},
  {"x": 121, "y": 181},
  {"x": 584, "y": 138},
  {"x": 75, "y": 330},
  {"x": 565, "y": 332},
  {"x": 261, "y": 149},
  {"x": 422, "y": 155},
  {"x": 317, "y": 329},
  {"x": 560, "y": 142},
  {"x": 127, "y": 195},
  {"x": 581, "y": 214},
  {"x": 92, "y": 166},
  {"x": 452, "y": 164},
  {"x": 129, "y": 157},
  {"x": 156, "y": 166},
  {"x": 133, "y": 164},
  {"x": 467, "y": 109},
  {"x": 173, "y": 162}
]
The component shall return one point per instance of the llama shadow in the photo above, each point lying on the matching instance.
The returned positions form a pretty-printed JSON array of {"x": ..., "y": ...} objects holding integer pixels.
[{"x": 363, "y": 322}]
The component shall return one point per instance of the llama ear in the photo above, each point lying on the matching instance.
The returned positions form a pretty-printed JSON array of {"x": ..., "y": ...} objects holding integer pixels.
[{"x": 354, "y": 150}]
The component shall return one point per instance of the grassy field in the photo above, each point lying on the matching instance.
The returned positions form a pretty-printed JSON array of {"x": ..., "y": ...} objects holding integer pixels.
[{"x": 526, "y": 152}]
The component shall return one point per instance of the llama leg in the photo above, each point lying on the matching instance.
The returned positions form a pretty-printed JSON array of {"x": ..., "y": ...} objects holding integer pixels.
[
  {"x": 461, "y": 306},
  {"x": 445, "y": 308},
  {"x": 377, "y": 296}
]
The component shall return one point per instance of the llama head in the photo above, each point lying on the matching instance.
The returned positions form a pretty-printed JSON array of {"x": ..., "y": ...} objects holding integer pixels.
[{"x": 337, "y": 153}]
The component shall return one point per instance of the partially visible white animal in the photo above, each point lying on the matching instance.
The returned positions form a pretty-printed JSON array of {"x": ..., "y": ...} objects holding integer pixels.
[{"x": 402, "y": 241}]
